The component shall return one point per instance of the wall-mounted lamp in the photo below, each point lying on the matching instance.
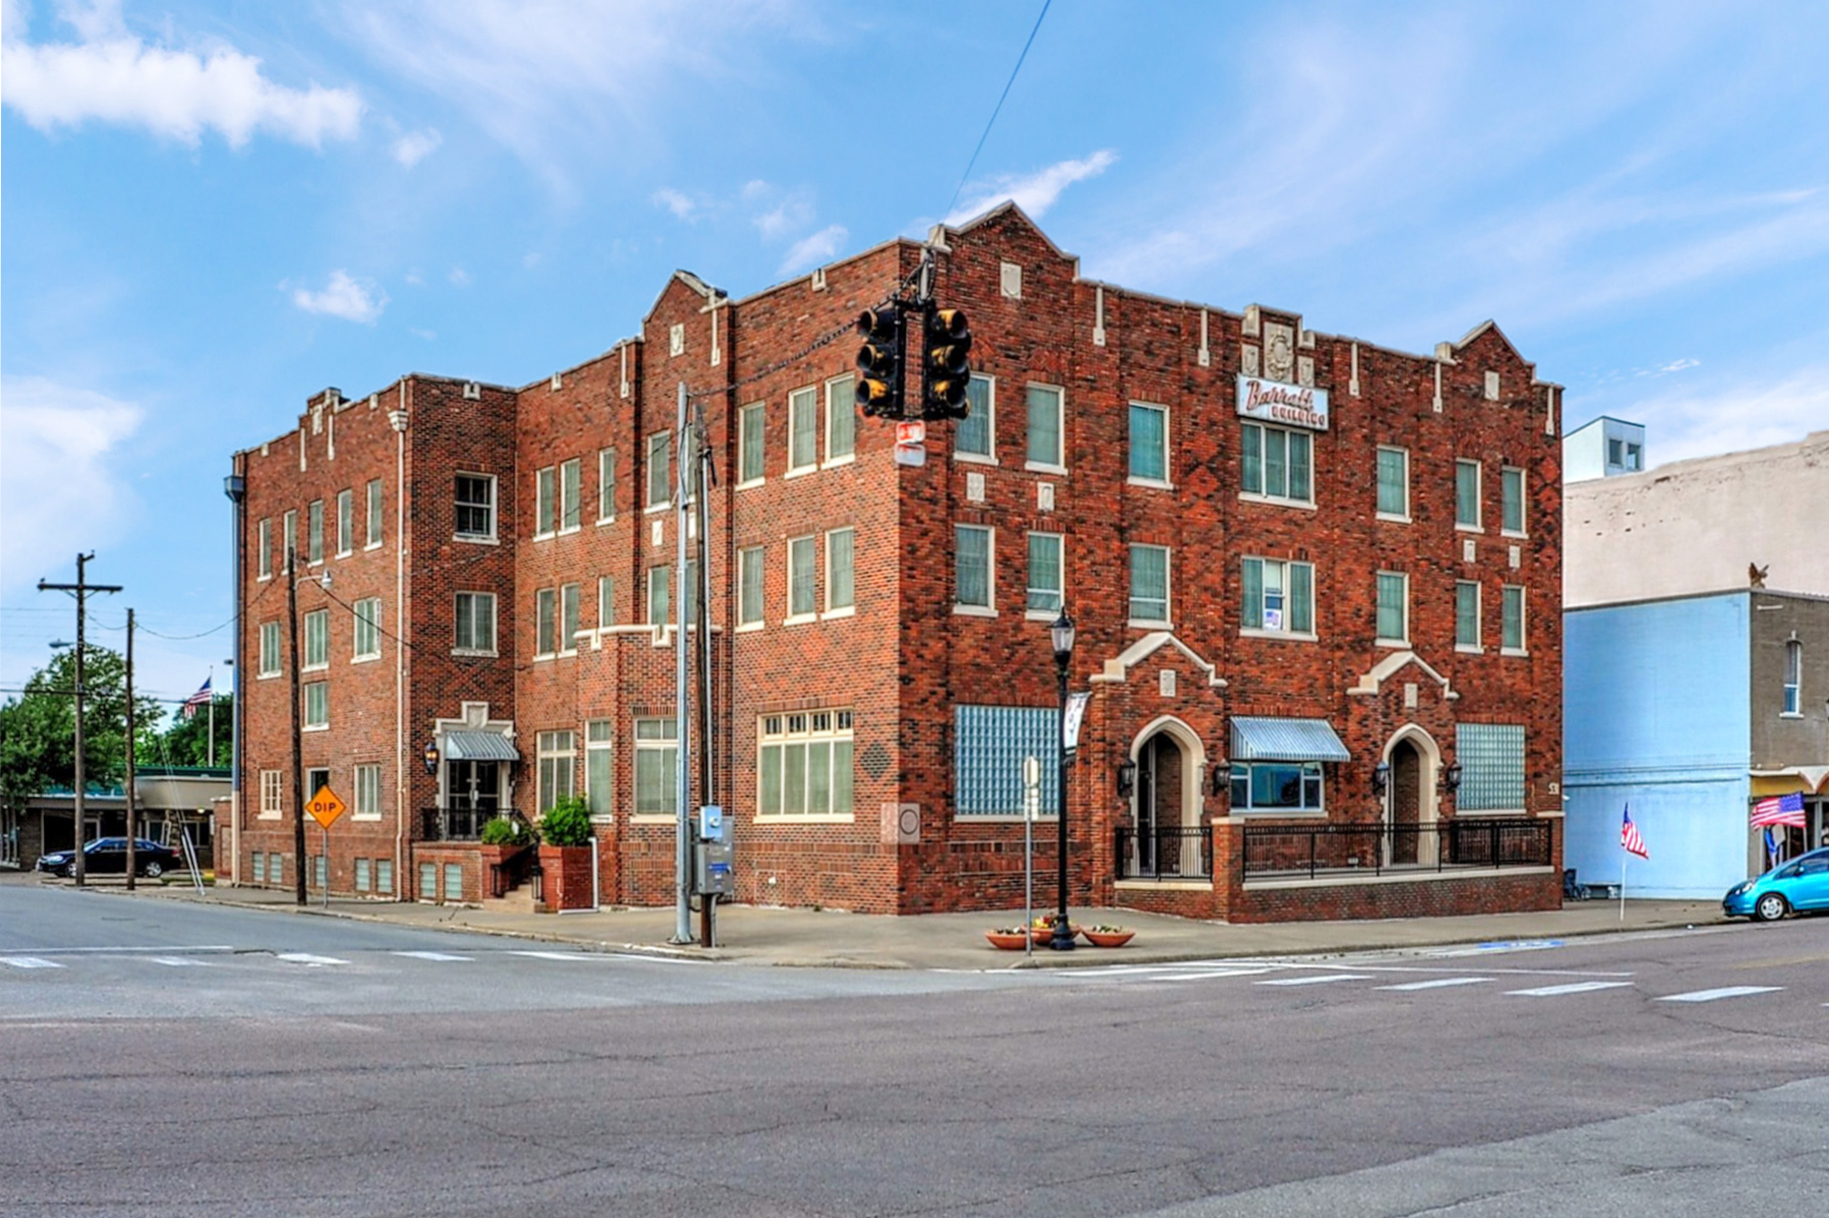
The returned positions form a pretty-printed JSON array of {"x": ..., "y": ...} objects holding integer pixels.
[
  {"x": 1127, "y": 779},
  {"x": 430, "y": 756},
  {"x": 1381, "y": 777},
  {"x": 1222, "y": 775},
  {"x": 1451, "y": 777}
]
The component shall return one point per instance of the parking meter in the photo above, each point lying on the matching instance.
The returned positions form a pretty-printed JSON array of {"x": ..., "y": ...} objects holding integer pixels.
[{"x": 714, "y": 873}]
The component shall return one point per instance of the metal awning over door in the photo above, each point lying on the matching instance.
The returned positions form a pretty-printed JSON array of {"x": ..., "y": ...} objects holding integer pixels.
[
  {"x": 1262, "y": 739},
  {"x": 479, "y": 746}
]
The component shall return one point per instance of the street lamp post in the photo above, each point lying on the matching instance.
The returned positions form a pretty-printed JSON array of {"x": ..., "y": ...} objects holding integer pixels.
[{"x": 1061, "y": 633}]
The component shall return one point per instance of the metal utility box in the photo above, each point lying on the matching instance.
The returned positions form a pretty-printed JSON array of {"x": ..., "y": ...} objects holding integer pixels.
[{"x": 714, "y": 869}]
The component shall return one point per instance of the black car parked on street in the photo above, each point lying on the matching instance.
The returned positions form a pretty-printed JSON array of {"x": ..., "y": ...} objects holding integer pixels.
[{"x": 108, "y": 856}]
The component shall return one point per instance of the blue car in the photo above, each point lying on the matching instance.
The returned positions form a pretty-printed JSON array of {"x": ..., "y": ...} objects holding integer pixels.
[{"x": 1801, "y": 884}]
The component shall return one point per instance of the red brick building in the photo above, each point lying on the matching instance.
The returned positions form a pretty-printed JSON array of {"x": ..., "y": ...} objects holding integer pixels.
[{"x": 1315, "y": 581}]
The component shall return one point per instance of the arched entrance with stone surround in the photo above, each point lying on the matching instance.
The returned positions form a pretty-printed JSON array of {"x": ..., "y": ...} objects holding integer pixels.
[
  {"x": 1410, "y": 803},
  {"x": 1165, "y": 801}
]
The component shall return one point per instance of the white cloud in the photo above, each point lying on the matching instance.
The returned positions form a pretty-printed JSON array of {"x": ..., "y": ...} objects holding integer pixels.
[
  {"x": 416, "y": 146},
  {"x": 431, "y": 336},
  {"x": 1036, "y": 192},
  {"x": 58, "y": 493},
  {"x": 790, "y": 213},
  {"x": 810, "y": 251},
  {"x": 345, "y": 297},
  {"x": 683, "y": 206},
  {"x": 116, "y": 78},
  {"x": 458, "y": 277},
  {"x": 1732, "y": 414}
]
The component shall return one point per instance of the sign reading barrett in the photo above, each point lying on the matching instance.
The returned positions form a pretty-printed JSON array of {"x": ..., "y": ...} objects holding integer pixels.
[{"x": 1274, "y": 402}]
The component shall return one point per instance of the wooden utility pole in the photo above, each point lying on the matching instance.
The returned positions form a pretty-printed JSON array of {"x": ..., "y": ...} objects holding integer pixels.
[
  {"x": 81, "y": 588},
  {"x": 298, "y": 762}
]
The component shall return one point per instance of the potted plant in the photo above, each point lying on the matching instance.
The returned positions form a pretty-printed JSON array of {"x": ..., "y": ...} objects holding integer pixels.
[
  {"x": 1108, "y": 936},
  {"x": 501, "y": 839},
  {"x": 1009, "y": 938},
  {"x": 565, "y": 856},
  {"x": 1042, "y": 929}
]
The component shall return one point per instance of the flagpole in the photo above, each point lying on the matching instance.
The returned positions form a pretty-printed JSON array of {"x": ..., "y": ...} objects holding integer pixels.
[{"x": 1624, "y": 856}]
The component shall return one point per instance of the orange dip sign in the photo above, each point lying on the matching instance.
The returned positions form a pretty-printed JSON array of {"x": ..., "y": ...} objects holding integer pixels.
[
  {"x": 1274, "y": 402},
  {"x": 325, "y": 807}
]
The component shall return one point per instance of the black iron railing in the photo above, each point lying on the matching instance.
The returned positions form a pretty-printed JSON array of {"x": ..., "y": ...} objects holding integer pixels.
[
  {"x": 461, "y": 824},
  {"x": 1372, "y": 849},
  {"x": 1165, "y": 854}
]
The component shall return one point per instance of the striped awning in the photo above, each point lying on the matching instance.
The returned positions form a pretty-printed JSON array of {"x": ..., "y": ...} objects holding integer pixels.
[
  {"x": 1259, "y": 739},
  {"x": 479, "y": 746}
]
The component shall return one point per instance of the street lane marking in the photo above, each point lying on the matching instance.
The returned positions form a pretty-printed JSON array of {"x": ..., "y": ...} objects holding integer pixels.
[
  {"x": 1201, "y": 976},
  {"x": 125, "y": 951},
  {"x": 181, "y": 962},
  {"x": 1321, "y": 980},
  {"x": 1726, "y": 991},
  {"x": 28, "y": 962},
  {"x": 558, "y": 955},
  {"x": 1556, "y": 991},
  {"x": 1438, "y": 983},
  {"x": 308, "y": 958},
  {"x": 433, "y": 956}
]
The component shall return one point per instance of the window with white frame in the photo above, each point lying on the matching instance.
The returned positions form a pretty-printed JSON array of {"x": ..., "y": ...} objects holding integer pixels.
[
  {"x": 266, "y": 549},
  {"x": 751, "y": 434},
  {"x": 568, "y": 619},
  {"x": 841, "y": 418},
  {"x": 660, "y": 583},
  {"x": 804, "y": 764},
  {"x": 475, "y": 505},
  {"x": 801, "y": 591},
  {"x": 557, "y": 753},
  {"x": 803, "y": 430},
  {"x": 976, "y": 434},
  {"x": 749, "y": 580},
  {"x": 546, "y": 622},
  {"x": 346, "y": 522},
  {"x": 368, "y": 628},
  {"x": 1511, "y": 510},
  {"x": 317, "y": 639},
  {"x": 375, "y": 519},
  {"x": 1511, "y": 627},
  {"x": 1149, "y": 443},
  {"x": 317, "y": 705},
  {"x": 269, "y": 649},
  {"x": 1046, "y": 572},
  {"x": 841, "y": 558},
  {"x": 606, "y": 602},
  {"x": 476, "y": 622},
  {"x": 1467, "y": 614},
  {"x": 1466, "y": 494},
  {"x": 367, "y": 804},
  {"x": 598, "y": 780},
  {"x": 1393, "y": 607},
  {"x": 656, "y": 747},
  {"x": 660, "y": 469},
  {"x": 1277, "y": 463},
  {"x": 1277, "y": 786},
  {"x": 1047, "y": 427},
  {"x": 1794, "y": 678},
  {"x": 272, "y": 792},
  {"x": 606, "y": 484},
  {"x": 571, "y": 491},
  {"x": 546, "y": 501},
  {"x": 1393, "y": 483},
  {"x": 1149, "y": 584},
  {"x": 1279, "y": 596},
  {"x": 972, "y": 588},
  {"x": 314, "y": 531},
  {"x": 1491, "y": 757},
  {"x": 289, "y": 538}
]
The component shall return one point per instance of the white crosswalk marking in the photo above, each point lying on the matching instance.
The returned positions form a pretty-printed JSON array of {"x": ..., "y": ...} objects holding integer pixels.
[
  {"x": 180, "y": 962},
  {"x": 558, "y": 955},
  {"x": 1200, "y": 976},
  {"x": 439, "y": 956},
  {"x": 29, "y": 962},
  {"x": 308, "y": 958},
  {"x": 1320, "y": 980},
  {"x": 1556, "y": 991},
  {"x": 1726, "y": 991},
  {"x": 1438, "y": 983}
]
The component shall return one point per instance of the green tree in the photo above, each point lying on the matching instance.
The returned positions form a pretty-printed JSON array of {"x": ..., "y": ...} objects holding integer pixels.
[
  {"x": 38, "y": 728},
  {"x": 186, "y": 741}
]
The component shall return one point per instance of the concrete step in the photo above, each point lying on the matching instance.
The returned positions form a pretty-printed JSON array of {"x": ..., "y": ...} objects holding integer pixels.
[{"x": 518, "y": 900}]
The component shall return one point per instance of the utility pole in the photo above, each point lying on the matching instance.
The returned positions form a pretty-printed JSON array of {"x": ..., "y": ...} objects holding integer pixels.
[
  {"x": 298, "y": 747},
  {"x": 701, "y": 617},
  {"x": 82, "y": 588},
  {"x": 682, "y": 712},
  {"x": 133, "y": 823}
]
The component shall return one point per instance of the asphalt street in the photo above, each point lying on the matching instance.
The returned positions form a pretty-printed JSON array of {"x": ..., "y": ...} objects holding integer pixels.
[{"x": 199, "y": 1060}]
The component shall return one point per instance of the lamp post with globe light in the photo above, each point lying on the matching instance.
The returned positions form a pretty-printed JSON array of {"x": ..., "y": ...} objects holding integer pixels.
[{"x": 1061, "y": 634}]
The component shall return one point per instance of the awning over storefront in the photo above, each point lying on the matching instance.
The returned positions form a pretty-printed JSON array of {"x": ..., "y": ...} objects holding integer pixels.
[
  {"x": 479, "y": 746},
  {"x": 1285, "y": 740}
]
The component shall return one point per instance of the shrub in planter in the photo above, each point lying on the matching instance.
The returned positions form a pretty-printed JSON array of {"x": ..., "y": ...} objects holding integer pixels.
[
  {"x": 505, "y": 832},
  {"x": 567, "y": 823}
]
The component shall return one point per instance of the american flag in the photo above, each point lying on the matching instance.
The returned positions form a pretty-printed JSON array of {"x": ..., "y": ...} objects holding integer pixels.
[
  {"x": 1629, "y": 837},
  {"x": 1779, "y": 810},
  {"x": 196, "y": 701}
]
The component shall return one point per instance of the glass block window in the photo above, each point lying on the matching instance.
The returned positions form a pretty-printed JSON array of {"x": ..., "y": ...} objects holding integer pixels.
[
  {"x": 428, "y": 881},
  {"x": 976, "y": 434},
  {"x": 1491, "y": 756},
  {"x": 989, "y": 745},
  {"x": 384, "y": 876},
  {"x": 364, "y": 880}
]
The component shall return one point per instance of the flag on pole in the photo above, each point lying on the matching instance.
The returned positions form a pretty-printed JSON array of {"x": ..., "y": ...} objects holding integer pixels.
[
  {"x": 1779, "y": 810},
  {"x": 196, "y": 701},
  {"x": 1771, "y": 849},
  {"x": 1629, "y": 838}
]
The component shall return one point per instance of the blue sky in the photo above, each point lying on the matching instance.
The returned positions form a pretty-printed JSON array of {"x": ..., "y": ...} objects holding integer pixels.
[{"x": 214, "y": 210}]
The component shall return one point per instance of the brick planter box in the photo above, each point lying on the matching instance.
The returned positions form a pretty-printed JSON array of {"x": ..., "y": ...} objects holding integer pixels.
[{"x": 566, "y": 882}]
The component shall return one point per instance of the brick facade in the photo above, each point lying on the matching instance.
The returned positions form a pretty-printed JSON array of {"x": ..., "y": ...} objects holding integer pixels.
[{"x": 903, "y": 656}]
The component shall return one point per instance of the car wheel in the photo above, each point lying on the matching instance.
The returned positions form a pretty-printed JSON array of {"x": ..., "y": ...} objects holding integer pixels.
[
  {"x": 1770, "y": 907},
  {"x": 66, "y": 871},
  {"x": 154, "y": 869}
]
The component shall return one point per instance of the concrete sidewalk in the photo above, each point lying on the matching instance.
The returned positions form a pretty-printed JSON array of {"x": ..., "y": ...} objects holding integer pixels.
[{"x": 832, "y": 939}]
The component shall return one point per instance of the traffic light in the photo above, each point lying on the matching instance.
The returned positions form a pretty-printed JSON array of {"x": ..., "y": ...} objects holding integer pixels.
[
  {"x": 879, "y": 362},
  {"x": 945, "y": 369}
]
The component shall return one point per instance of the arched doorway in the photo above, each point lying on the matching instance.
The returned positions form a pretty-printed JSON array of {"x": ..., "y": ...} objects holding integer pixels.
[
  {"x": 1409, "y": 804},
  {"x": 1166, "y": 841}
]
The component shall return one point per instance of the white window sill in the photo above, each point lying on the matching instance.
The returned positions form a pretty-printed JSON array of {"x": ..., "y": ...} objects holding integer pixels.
[
  {"x": 261, "y": 579},
  {"x": 542, "y": 657},
  {"x": 1469, "y": 649},
  {"x": 603, "y": 520},
  {"x": 651, "y": 818},
  {"x": 475, "y": 539},
  {"x": 267, "y": 816},
  {"x": 373, "y": 545},
  {"x": 974, "y": 458},
  {"x": 1467, "y": 528},
  {"x": 835, "y": 462},
  {"x": 974, "y": 611},
  {"x": 603, "y": 818},
  {"x": 568, "y": 653},
  {"x": 1790, "y": 714},
  {"x": 1516, "y": 536},
  {"x": 1393, "y": 643},
  {"x": 267, "y": 676},
  {"x": 474, "y": 653},
  {"x": 1514, "y": 651},
  {"x": 1000, "y": 818},
  {"x": 365, "y": 816},
  {"x": 751, "y": 485},
  {"x": 1142, "y": 623},
  {"x": 842, "y": 611},
  {"x": 750, "y": 627},
  {"x": 345, "y": 553},
  {"x": 544, "y": 536},
  {"x": 802, "y": 471},
  {"x": 1043, "y": 467},
  {"x": 1287, "y": 636},
  {"x": 1300, "y": 505},
  {"x": 1154, "y": 484},
  {"x": 315, "y": 727},
  {"x": 570, "y": 528},
  {"x": 365, "y": 659},
  {"x": 657, "y": 507},
  {"x": 800, "y": 619},
  {"x": 314, "y": 562},
  {"x": 1394, "y": 518},
  {"x": 810, "y": 818},
  {"x": 315, "y": 668},
  {"x": 1041, "y": 615}
]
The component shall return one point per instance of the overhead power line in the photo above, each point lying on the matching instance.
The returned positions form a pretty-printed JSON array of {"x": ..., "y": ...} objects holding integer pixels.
[{"x": 995, "y": 110}]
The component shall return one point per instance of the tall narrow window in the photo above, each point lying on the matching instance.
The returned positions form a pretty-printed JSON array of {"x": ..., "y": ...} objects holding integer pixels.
[
  {"x": 266, "y": 549},
  {"x": 546, "y": 501},
  {"x": 272, "y": 792},
  {"x": 375, "y": 519},
  {"x": 289, "y": 536},
  {"x": 1149, "y": 584},
  {"x": 1045, "y": 572},
  {"x": 800, "y": 578},
  {"x": 314, "y": 531},
  {"x": 317, "y": 639},
  {"x": 568, "y": 619},
  {"x": 840, "y": 555},
  {"x": 976, "y": 433},
  {"x": 269, "y": 649},
  {"x": 1149, "y": 439},
  {"x": 1511, "y": 484},
  {"x": 803, "y": 429},
  {"x": 1511, "y": 604},
  {"x": 317, "y": 705},
  {"x": 571, "y": 489},
  {"x": 1393, "y": 607},
  {"x": 1467, "y": 614},
  {"x": 606, "y": 602},
  {"x": 475, "y": 505},
  {"x": 660, "y": 583},
  {"x": 346, "y": 522},
  {"x": 1047, "y": 446},
  {"x": 841, "y": 418},
  {"x": 367, "y": 804},
  {"x": 749, "y": 578},
  {"x": 750, "y": 437},
  {"x": 368, "y": 628},
  {"x": 598, "y": 783},
  {"x": 546, "y": 621},
  {"x": 1278, "y": 596},
  {"x": 660, "y": 469},
  {"x": 557, "y": 758},
  {"x": 1394, "y": 483},
  {"x": 475, "y": 622},
  {"x": 1277, "y": 464},
  {"x": 656, "y": 746},
  {"x": 1467, "y": 494},
  {"x": 606, "y": 484},
  {"x": 1794, "y": 678},
  {"x": 972, "y": 576}
]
